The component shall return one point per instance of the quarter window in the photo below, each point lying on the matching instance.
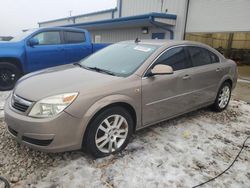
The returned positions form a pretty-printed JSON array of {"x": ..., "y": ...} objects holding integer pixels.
[
  {"x": 214, "y": 58},
  {"x": 176, "y": 58},
  {"x": 74, "y": 37},
  {"x": 48, "y": 38}
]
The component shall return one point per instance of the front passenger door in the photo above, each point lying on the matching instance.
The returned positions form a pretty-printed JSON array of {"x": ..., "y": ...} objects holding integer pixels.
[
  {"x": 164, "y": 96},
  {"x": 48, "y": 52}
]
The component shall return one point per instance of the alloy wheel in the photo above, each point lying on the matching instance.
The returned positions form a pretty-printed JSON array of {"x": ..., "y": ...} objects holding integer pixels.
[
  {"x": 224, "y": 96},
  {"x": 111, "y": 133}
]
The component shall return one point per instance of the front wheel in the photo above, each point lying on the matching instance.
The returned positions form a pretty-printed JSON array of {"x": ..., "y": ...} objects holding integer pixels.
[
  {"x": 9, "y": 74},
  {"x": 109, "y": 132},
  {"x": 223, "y": 97}
]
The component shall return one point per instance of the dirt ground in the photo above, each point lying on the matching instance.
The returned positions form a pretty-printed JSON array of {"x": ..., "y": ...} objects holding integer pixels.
[
  {"x": 242, "y": 91},
  {"x": 244, "y": 72}
]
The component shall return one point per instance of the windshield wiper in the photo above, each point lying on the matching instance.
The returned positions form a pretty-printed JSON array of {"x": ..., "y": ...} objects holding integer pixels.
[
  {"x": 101, "y": 70},
  {"x": 80, "y": 65},
  {"x": 95, "y": 69}
]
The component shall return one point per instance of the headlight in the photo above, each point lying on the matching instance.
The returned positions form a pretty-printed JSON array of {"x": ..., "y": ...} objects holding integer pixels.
[{"x": 52, "y": 106}]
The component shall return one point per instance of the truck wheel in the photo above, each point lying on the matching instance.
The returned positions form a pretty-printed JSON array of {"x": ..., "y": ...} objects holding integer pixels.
[
  {"x": 223, "y": 97},
  {"x": 9, "y": 74},
  {"x": 109, "y": 132}
]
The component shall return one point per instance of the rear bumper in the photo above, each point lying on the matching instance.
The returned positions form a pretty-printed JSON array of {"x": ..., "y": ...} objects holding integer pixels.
[{"x": 61, "y": 133}]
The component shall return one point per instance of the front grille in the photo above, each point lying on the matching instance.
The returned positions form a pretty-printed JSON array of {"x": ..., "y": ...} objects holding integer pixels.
[
  {"x": 20, "y": 107},
  {"x": 20, "y": 104}
]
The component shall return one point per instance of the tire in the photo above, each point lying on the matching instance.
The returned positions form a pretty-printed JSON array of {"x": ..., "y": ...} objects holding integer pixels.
[
  {"x": 101, "y": 135},
  {"x": 9, "y": 74},
  {"x": 219, "y": 105}
]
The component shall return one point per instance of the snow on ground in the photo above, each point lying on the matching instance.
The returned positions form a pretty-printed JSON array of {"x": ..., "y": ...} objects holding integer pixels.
[
  {"x": 178, "y": 153},
  {"x": 182, "y": 152}
]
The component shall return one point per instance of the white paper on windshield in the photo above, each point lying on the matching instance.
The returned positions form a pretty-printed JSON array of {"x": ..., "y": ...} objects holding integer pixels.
[{"x": 142, "y": 49}]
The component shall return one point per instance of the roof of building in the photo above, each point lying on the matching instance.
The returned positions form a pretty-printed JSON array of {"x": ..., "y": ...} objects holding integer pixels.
[
  {"x": 80, "y": 15},
  {"x": 123, "y": 20}
]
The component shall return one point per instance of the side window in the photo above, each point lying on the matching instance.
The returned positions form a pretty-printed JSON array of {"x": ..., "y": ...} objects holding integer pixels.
[
  {"x": 199, "y": 56},
  {"x": 214, "y": 58},
  {"x": 74, "y": 37},
  {"x": 48, "y": 38},
  {"x": 176, "y": 58}
]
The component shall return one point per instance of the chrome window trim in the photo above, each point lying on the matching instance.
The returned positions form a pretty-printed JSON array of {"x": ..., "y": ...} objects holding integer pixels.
[{"x": 172, "y": 47}]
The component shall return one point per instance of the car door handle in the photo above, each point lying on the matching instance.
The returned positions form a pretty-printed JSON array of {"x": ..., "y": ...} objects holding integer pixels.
[
  {"x": 218, "y": 69},
  {"x": 186, "y": 77}
]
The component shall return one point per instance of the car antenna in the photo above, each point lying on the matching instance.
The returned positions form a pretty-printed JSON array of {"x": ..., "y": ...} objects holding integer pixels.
[{"x": 137, "y": 40}]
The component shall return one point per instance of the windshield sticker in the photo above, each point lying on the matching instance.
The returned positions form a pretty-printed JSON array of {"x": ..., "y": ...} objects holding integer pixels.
[{"x": 142, "y": 49}]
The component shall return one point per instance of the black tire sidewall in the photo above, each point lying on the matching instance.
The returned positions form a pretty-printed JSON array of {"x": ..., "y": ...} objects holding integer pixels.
[
  {"x": 216, "y": 106},
  {"x": 13, "y": 68},
  {"x": 93, "y": 126}
]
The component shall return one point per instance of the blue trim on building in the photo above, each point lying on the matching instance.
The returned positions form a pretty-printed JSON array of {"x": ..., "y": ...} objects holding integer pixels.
[
  {"x": 74, "y": 17},
  {"x": 126, "y": 19}
]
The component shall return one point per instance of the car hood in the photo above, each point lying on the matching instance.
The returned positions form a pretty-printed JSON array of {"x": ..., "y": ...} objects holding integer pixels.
[
  {"x": 11, "y": 49},
  {"x": 4, "y": 44},
  {"x": 62, "y": 79}
]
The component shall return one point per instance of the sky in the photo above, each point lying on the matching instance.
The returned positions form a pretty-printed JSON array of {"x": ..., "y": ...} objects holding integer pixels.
[{"x": 16, "y": 15}]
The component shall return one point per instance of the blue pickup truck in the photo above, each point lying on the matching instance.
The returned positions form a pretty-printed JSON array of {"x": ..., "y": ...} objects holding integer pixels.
[{"x": 42, "y": 48}]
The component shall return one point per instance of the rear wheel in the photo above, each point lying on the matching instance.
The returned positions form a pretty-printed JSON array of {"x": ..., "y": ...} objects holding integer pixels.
[
  {"x": 109, "y": 132},
  {"x": 9, "y": 74},
  {"x": 223, "y": 97}
]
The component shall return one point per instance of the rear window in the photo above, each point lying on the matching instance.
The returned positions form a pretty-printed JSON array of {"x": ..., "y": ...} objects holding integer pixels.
[{"x": 74, "y": 37}]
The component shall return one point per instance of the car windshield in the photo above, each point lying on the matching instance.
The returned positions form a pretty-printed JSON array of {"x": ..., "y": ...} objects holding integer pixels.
[
  {"x": 120, "y": 59},
  {"x": 22, "y": 35}
]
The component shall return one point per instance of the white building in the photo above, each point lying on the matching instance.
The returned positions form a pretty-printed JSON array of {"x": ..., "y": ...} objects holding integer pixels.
[
  {"x": 220, "y": 23},
  {"x": 131, "y": 19}
]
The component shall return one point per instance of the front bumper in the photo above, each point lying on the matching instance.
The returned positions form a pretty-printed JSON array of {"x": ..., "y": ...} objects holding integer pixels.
[{"x": 61, "y": 133}]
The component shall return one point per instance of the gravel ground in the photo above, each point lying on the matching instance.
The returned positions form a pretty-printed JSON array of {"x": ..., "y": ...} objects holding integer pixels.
[{"x": 17, "y": 161}]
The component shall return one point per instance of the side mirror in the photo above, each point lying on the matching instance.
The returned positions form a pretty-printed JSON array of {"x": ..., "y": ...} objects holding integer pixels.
[
  {"x": 33, "y": 42},
  {"x": 161, "y": 70}
]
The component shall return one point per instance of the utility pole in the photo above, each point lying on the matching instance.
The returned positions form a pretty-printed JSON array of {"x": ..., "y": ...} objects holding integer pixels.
[
  {"x": 70, "y": 13},
  {"x": 70, "y": 16}
]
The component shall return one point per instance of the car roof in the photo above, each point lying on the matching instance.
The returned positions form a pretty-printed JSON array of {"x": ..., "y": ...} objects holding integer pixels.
[
  {"x": 167, "y": 43},
  {"x": 163, "y": 44},
  {"x": 62, "y": 28}
]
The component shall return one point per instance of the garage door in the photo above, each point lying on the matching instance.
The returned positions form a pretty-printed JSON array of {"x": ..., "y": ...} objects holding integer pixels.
[{"x": 218, "y": 16}]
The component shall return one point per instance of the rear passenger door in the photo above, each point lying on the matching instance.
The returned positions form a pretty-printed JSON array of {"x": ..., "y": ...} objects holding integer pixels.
[
  {"x": 76, "y": 46},
  {"x": 206, "y": 74}
]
